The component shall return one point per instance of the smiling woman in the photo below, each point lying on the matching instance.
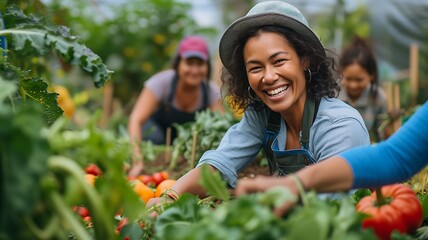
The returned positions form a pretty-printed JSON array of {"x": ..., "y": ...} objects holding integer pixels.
[
  {"x": 173, "y": 96},
  {"x": 276, "y": 69}
]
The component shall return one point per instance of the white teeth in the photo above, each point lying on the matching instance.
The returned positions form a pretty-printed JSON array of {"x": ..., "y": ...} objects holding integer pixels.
[{"x": 277, "y": 91}]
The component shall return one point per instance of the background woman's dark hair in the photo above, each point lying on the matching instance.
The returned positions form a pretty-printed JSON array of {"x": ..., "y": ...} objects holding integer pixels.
[
  {"x": 325, "y": 75},
  {"x": 361, "y": 53},
  {"x": 177, "y": 59}
]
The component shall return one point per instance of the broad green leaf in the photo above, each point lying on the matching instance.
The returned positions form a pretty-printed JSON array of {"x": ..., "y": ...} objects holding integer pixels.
[
  {"x": 174, "y": 222},
  {"x": 346, "y": 219},
  {"x": 34, "y": 36},
  {"x": 7, "y": 90},
  {"x": 214, "y": 184},
  {"x": 276, "y": 196},
  {"x": 36, "y": 89}
]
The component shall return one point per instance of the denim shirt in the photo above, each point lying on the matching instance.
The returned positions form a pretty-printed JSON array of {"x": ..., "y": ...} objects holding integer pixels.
[{"x": 337, "y": 127}]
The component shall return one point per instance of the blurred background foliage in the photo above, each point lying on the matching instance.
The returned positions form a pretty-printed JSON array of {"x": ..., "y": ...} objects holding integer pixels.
[{"x": 135, "y": 39}]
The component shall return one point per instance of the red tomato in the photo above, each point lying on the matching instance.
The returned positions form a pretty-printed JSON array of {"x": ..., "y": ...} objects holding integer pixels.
[
  {"x": 401, "y": 212},
  {"x": 93, "y": 169},
  {"x": 157, "y": 178},
  {"x": 82, "y": 211},
  {"x": 146, "y": 179},
  {"x": 165, "y": 175},
  {"x": 121, "y": 223}
]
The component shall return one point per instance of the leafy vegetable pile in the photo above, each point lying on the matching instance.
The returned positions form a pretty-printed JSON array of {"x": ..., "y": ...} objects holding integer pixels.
[
  {"x": 209, "y": 128},
  {"x": 251, "y": 217}
]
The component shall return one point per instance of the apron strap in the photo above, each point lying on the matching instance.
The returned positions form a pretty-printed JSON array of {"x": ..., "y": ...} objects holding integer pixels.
[
  {"x": 172, "y": 91},
  {"x": 307, "y": 120},
  {"x": 273, "y": 127}
]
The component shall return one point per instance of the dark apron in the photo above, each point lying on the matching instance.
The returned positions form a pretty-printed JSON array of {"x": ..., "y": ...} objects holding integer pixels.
[
  {"x": 167, "y": 114},
  {"x": 282, "y": 163}
]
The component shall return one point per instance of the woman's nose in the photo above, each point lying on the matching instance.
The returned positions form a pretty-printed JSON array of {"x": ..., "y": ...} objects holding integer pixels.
[{"x": 270, "y": 75}]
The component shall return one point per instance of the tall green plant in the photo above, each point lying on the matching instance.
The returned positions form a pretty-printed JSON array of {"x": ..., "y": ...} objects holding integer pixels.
[
  {"x": 35, "y": 185},
  {"x": 30, "y": 36}
]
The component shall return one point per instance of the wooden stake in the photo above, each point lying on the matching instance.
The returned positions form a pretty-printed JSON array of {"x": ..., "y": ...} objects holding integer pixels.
[
  {"x": 413, "y": 73},
  {"x": 192, "y": 159},
  {"x": 107, "y": 103},
  {"x": 390, "y": 97},
  {"x": 168, "y": 144},
  {"x": 397, "y": 122}
]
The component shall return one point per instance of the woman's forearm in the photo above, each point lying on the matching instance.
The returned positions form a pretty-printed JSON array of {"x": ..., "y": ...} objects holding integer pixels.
[
  {"x": 331, "y": 175},
  {"x": 189, "y": 183},
  {"x": 134, "y": 130}
]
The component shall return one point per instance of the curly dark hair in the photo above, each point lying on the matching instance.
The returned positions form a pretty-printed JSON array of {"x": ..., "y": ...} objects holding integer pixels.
[{"x": 325, "y": 73}]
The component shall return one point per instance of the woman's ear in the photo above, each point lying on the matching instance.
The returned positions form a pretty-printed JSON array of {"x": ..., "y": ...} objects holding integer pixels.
[{"x": 305, "y": 63}]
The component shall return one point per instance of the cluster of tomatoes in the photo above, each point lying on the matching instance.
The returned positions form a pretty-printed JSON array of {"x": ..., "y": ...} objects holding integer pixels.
[
  {"x": 151, "y": 186},
  {"x": 146, "y": 186}
]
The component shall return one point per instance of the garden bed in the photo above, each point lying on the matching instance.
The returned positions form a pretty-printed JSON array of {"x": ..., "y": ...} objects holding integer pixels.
[{"x": 182, "y": 166}]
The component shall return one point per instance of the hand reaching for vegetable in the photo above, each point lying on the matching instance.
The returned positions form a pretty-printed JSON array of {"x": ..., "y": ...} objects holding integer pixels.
[
  {"x": 137, "y": 162},
  {"x": 136, "y": 169},
  {"x": 259, "y": 183}
]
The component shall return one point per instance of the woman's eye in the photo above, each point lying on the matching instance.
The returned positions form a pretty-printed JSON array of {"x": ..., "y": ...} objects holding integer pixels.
[
  {"x": 279, "y": 61},
  {"x": 254, "y": 69}
]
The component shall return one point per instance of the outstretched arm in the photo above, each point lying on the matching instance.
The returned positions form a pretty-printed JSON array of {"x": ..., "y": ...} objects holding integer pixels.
[
  {"x": 394, "y": 160},
  {"x": 144, "y": 107}
]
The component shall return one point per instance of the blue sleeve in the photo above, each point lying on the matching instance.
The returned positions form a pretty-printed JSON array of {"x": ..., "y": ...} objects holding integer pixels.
[{"x": 394, "y": 160}]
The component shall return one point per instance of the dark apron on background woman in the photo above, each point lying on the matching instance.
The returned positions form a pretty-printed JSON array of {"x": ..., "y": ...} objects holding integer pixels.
[
  {"x": 167, "y": 114},
  {"x": 284, "y": 162}
]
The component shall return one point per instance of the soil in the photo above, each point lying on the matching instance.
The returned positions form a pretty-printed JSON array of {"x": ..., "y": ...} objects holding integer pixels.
[{"x": 161, "y": 163}]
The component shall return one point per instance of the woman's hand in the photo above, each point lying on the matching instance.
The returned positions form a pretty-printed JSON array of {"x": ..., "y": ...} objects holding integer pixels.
[
  {"x": 137, "y": 162},
  {"x": 263, "y": 183},
  {"x": 154, "y": 203},
  {"x": 136, "y": 169}
]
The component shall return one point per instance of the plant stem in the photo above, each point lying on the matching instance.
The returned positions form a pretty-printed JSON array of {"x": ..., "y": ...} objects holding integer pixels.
[
  {"x": 45, "y": 233},
  {"x": 380, "y": 199},
  {"x": 104, "y": 228},
  {"x": 67, "y": 214}
]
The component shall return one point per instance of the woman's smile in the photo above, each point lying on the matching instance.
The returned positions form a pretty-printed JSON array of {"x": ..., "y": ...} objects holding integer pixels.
[{"x": 278, "y": 91}]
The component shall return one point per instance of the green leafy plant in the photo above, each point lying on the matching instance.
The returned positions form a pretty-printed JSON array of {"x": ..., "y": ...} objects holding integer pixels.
[
  {"x": 31, "y": 36},
  {"x": 251, "y": 217},
  {"x": 209, "y": 128},
  {"x": 41, "y": 169}
]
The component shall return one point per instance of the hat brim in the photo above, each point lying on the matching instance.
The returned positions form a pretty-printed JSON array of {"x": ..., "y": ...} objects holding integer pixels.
[
  {"x": 238, "y": 29},
  {"x": 194, "y": 54}
]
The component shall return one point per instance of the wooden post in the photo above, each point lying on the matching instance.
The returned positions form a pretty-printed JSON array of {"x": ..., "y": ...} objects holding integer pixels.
[
  {"x": 192, "y": 159},
  {"x": 390, "y": 96},
  {"x": 168, "y": 144},
  {"x": 397, "y": 121},
  {"x": 107, "y": 103},
  {"x": 413, "y": 73},
  {"x": 393, "y": 105}
]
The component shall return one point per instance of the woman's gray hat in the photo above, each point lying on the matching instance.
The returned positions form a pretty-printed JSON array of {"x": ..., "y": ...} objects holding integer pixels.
[{"x": 268, "y": 13}]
